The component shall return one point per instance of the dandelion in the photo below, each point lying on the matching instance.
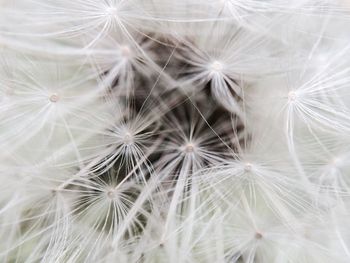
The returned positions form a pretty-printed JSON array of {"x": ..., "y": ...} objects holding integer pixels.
[{"x": 161, "y": 131}]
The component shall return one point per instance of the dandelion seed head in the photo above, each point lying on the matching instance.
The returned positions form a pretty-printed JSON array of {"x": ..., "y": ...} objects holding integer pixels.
[{"x": 166, "y": 142}]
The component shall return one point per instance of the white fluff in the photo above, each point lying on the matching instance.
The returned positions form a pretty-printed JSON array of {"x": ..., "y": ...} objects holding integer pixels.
[{"x": 174, "y": 131}]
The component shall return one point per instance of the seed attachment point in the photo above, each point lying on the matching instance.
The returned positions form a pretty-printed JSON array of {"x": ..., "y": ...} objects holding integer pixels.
[
  {"x": 292, "y": 96},
  {"x": 189, "y": 147},
  {"x": 258, "y": 236},
  {"x": 248, "y": 167},
  {"x": 128, "y": 138},
  {"x": 216, "y": 66},
  {"x": 54, "y": 98}
]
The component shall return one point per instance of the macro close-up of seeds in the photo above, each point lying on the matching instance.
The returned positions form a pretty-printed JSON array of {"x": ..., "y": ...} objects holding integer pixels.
[{"x": 189, "y": 131}]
